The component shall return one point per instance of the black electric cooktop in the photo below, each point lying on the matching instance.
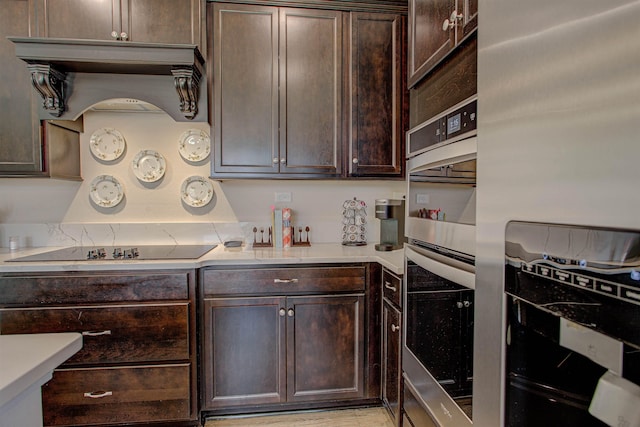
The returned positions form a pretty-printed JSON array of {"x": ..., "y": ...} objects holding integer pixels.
[{"x": 118, "y": 253}]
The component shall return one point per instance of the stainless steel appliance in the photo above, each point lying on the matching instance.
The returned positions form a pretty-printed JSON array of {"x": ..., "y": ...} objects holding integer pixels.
[
  {"x": 573, "y": 325},
  {"x": 558, "y": 108},
  {"x": 111, "y": 253},
  {"x": 391, "y": 214},
  {"x": 438, "y": 316},
  {"x": 441, "y": 179},
  {"x": 455, "y": 124},
  {"x": 437, "y": 350}
]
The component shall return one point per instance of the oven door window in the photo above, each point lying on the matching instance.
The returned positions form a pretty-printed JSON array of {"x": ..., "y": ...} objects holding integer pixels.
[{"x": 440, "y": 328}]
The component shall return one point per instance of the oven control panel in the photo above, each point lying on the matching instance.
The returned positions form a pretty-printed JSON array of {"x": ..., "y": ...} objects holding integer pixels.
[{"x": 457, "y": 123}]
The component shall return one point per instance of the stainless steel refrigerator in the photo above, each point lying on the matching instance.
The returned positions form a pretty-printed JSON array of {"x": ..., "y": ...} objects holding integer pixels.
[{"x": 558, "y": 142}]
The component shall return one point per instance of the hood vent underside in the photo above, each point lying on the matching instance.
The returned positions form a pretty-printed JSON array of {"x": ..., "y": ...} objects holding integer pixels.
[{"x": 61, "y": 68}]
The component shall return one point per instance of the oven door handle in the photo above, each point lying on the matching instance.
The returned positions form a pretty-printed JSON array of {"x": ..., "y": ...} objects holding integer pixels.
[{"x": 449, "y": 268}]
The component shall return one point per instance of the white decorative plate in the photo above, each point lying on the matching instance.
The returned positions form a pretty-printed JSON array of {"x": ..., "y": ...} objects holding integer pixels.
[
  {"x": 195, "y": 145},
  {"x": 105, "y": 191},
  {"x": 149, "y": 166},
  {"x": 107, "y": 144},
  {"x": 196, "y": 191}
]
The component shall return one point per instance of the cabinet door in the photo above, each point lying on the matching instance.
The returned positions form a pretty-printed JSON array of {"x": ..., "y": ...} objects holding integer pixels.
[
  {"x": 118, "y": 395},
  {"x": 377, "y": 95},
  {"x": 20, "y": 149},
  {"x": 244, "y": 352},
  {"x": 470, "y": 16},
  {"x": 140, "y": 333},
  {"x": 428, "y": 42},
  {"x": 325, "y": 348},
  {"x": 245, "y": 92},
  {"x": 311, "y": 91},
  {"x": 391, "y": 370},
  {"x": 80, "y": 19},
  {"x": 163, "y": 21},
  {"x": 154, "y": 21}
]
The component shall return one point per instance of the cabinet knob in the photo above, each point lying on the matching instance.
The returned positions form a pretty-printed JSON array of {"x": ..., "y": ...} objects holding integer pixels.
[
  {"x": 282, "y": 312},
  {"x": 459, "y": 304},
  {"x": 114, "y": 35},
  {"x": 394, "y": 328},
  {"x": 354, "y": 161},
  {"x": 451, "y": 22},
  {"x": 283, "y": 160},
  {"x": 275, "y": 160},
  {"x": 466, "y": 303},
  {"x": 290, "y": 313},
  {"x": 124, "y": 36}
]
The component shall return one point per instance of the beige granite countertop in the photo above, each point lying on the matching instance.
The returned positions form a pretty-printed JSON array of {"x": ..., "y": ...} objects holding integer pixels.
[{"x": 319, "y": 253}]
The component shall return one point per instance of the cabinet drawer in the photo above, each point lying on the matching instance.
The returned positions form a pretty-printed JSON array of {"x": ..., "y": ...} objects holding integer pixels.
[
  {"x": 284, "y": 280},
  {"x": 86, "y": 288},
  {"x": 111, "y": 334},
  {"x": 117, "y": 395},
  {"x": 392, "y": 288}
]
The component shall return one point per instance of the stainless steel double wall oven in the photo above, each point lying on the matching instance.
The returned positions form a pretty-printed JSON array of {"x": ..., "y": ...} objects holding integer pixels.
[{"x": 438, "y": 296}]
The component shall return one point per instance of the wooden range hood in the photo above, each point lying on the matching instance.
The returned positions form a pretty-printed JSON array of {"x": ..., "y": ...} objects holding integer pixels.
[{"x": 71, "y": 75}]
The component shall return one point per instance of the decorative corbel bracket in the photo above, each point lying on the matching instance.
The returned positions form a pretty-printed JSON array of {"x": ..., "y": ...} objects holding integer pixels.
[
  {"x": 187, "y": 83},
  {"x": 50, "y": 84}
]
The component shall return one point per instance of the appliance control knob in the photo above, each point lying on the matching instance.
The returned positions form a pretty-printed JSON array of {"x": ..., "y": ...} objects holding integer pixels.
[{"x": 117, "y": 253}]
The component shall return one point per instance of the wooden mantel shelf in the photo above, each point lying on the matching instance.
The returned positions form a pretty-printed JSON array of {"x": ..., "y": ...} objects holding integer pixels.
[{"x": 50, "y": 60}]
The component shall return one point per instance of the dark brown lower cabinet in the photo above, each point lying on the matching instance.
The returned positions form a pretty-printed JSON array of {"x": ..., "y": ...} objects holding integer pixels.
[
  {"x": 117, "y": 395},
  {"x": 286, "y": 349},
  {"x": 391, "y": 372},
  {"x": 138, "y": 362},
  {"x": 276, "y": 351},
  {"x": 391, "y": 344}
]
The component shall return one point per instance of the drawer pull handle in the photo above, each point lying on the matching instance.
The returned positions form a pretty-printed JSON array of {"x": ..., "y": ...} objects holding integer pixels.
[
  {"x": 98, "y": 394},
  {"x": 96, "y": 333},
  {"x": 394, "y": 328},
  {"x": 388, "y": 286},
  {"x": 285, "y": 280}
]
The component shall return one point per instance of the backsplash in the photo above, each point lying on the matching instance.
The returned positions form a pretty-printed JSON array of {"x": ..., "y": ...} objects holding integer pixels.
[{"x": 45, "y": 212}]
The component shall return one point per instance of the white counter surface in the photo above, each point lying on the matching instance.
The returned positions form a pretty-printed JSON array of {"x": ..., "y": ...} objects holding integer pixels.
[
  {"x": 28, "y": 360},
  {"x": 316, "y": 254}
]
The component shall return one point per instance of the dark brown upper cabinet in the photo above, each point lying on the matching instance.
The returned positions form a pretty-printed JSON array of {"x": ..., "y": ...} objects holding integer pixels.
[
  {"x": 378, "y": 94},
  {"x": 20, "y": 142},
  {"x": 277, "y": 83},
  {"x": 436, "y": 27},
  {"x": 29, "y": 147},
  {"x": 153, "y": 21},
  {"x": 306, "y": 93}
]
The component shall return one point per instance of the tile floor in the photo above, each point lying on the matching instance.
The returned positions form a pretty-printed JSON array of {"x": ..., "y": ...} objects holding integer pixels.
[{"x": 361, "y": 417}]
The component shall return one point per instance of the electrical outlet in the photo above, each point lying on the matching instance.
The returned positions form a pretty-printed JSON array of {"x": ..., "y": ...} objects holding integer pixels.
[
  {"x": 283, "y": 197},
  {"x": 423, "y": 199}
]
